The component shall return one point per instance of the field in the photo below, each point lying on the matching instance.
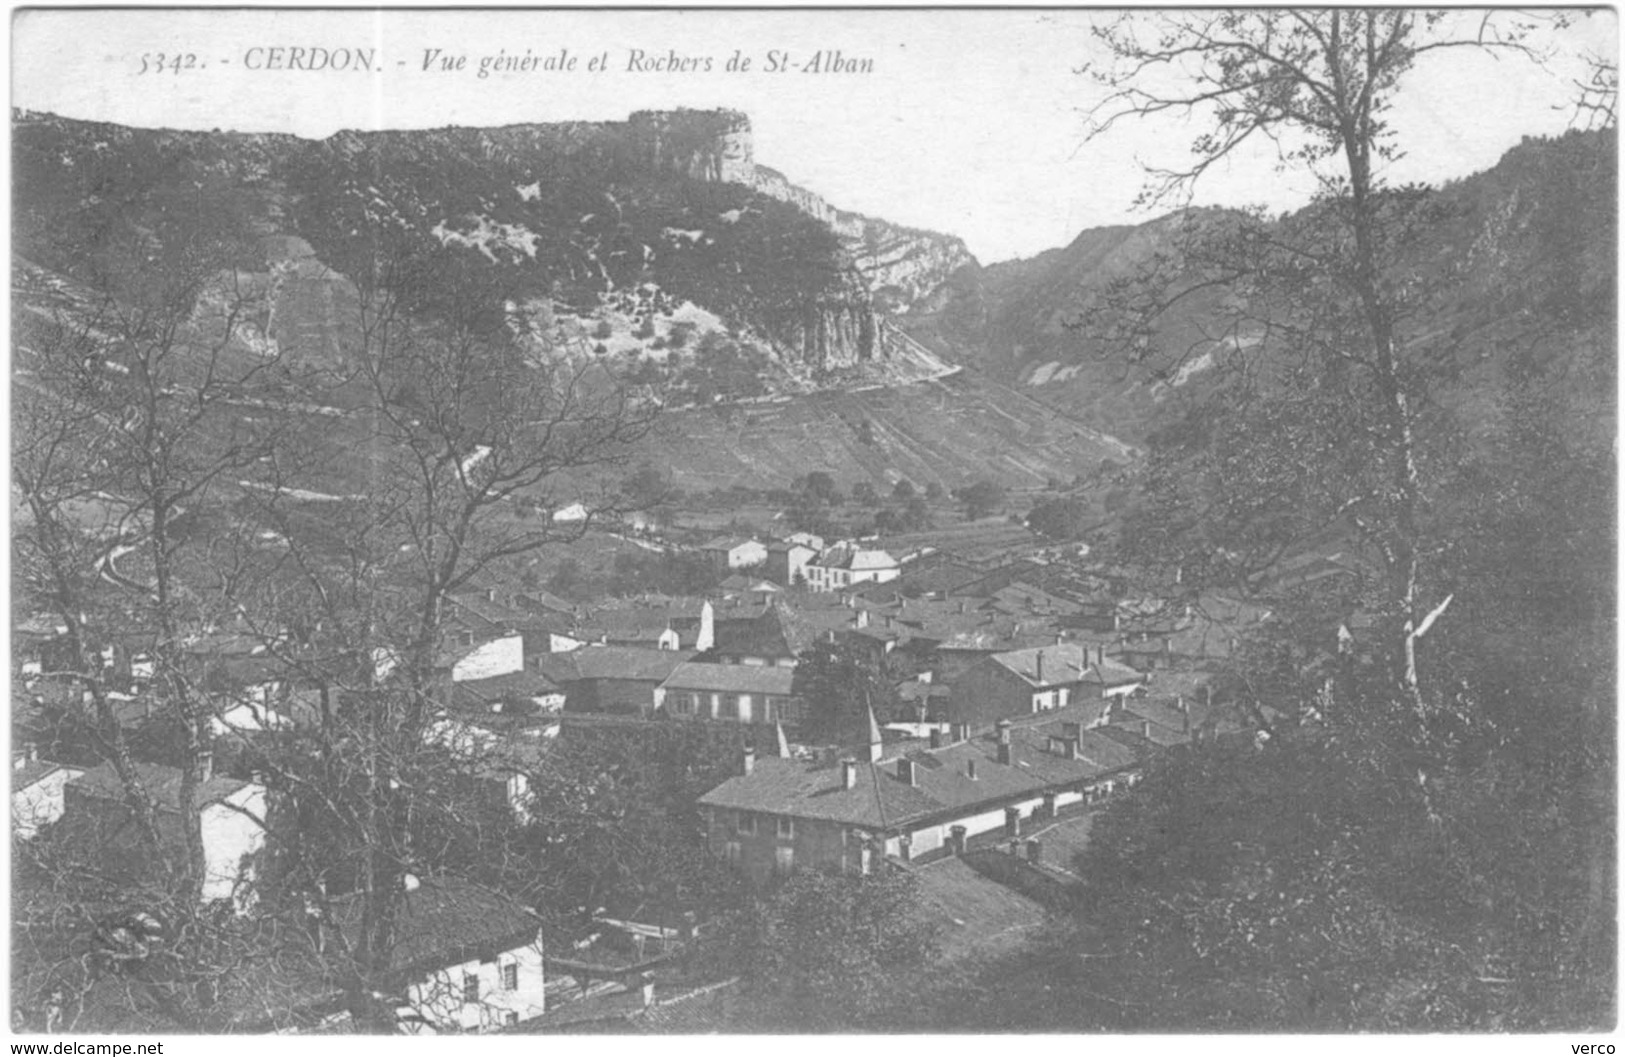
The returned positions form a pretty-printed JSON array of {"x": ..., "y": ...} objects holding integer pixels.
[{"x": 952, "y": 430}]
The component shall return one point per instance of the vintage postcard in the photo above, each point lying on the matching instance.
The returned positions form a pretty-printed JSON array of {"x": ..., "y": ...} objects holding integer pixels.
[{"x": 688, "y": 521}]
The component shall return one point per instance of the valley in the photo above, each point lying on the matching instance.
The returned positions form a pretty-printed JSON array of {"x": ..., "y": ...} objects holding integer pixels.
[{"x": 583, "y": 529}]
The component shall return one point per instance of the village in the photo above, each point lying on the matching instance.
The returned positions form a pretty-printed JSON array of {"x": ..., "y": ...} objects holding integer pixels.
[
  {"x": 1015, "y": 692},
  {"x": 1129, "y": 553}
]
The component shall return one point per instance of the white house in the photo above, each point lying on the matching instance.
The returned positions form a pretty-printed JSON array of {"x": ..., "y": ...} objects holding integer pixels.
[
  {"x": 734, "y": 552},
  {"x": 845, "y": 565},
  {"x": 483, "y": 660},
  {"x": 466, "y": 958},
  {"x": 232, "y": 810},
  {"x": 36, "y": 791}
]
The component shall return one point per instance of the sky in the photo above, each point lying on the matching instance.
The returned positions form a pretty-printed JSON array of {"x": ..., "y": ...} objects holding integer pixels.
[{"x": 970, "y": 122}]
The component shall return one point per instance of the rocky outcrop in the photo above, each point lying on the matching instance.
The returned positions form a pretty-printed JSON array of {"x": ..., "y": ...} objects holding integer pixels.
[
  {"x": 905, "y": 269},
  {"x": 900, "y": 267},
  {"x": 833, "y": 333},
  {"x": 713, "y": 145}
]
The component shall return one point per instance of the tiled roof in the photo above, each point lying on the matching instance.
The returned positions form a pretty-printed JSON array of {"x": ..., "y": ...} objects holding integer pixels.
[
  {"x": 772, "y": 632},
  {"x": 626, "y": 624},
  {"x": 1136, "y": 721},
  {"x": 704, "y": 1010},
  {"x": 481, "y": 613},
  {"x": 1060, "y": 664},
  {"x": 1114, "y": 673},
  {"x": 980, "y": 916},
  {"x": 162, "y": 785},
  {"x": 858, "y": 559},
  {"x": 731, "y": 678},
  {"x": 613, "y": 662},
  {"x": 942, "y": 783},
  {"x": 741, "y": 582},
  {"x": 534, "y": 599},
  {"x": 1023, "y": 599},
  {"x": 445, "y": 922},
  {"x": 526, "y": 683}
]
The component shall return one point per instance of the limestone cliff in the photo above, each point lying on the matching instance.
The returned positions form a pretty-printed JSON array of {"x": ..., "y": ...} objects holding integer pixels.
[
  {"x": 892, "y": 269},
  {"x": 712, "y": 145}
]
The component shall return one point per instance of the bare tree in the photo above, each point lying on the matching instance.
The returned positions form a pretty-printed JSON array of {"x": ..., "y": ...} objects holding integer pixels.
[
  {"x": 443, "y": 420},
  {"x": 1313, "y": 312},
  {"x": 129, "y": 438}
]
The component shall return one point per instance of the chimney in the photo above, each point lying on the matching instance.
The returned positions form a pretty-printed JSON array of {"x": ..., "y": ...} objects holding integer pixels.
[
  {"x": 1069, "y": 748},
  {"x": 970, "y": 769},
  {"x": 1179, "y": 703},
  {"x": 905, "y": 771},
  {"x": 490, "y": 594},
  {"x": 205, "y": 766},
  {"x": 1004, "y": 753},
  {"x": 1167, "y": 646},
  {"x": 1145, "y": 729},
  {"x": 876, "y": 745},
  {"x": 961, "y": 605},
  {"x": 1040, "y": 666},
  {"x": 936, "y": 738},
  {"x": 1058, "y": 637},
  {"x": 646, "y": 988},
  {"x": 748, "y": 760},
  {"x": 849, "y": 773}
]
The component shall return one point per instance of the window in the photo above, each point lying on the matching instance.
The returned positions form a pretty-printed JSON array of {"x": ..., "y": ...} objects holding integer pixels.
[
  {"x": 510, "y": 976},
  {"x": 784, "y": 860},
  {"x": 745, "y": 823},
  {"x": 510, "y": 1018},
  {"x": 471, "y": 987},
  {"x": 787, "y": 827},
  {"x": 731, "y": 853}
]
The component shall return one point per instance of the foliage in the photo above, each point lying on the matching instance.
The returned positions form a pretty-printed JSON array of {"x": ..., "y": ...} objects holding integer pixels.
[
  {"x": 913, "y": 516},
  {"x": 1381, "y": 866},
  {"x": 829, "y": 952},
  {"x": 1061, "y": 518},
  {"x": 840, "y": 683},
  {"x": 981, "y": 498},
  {"x": 724, "y": 369},
  {"x": 616, "y": 826},
  {"x": 647, "y": 487},
  {"x": 668, "y": 572}
]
